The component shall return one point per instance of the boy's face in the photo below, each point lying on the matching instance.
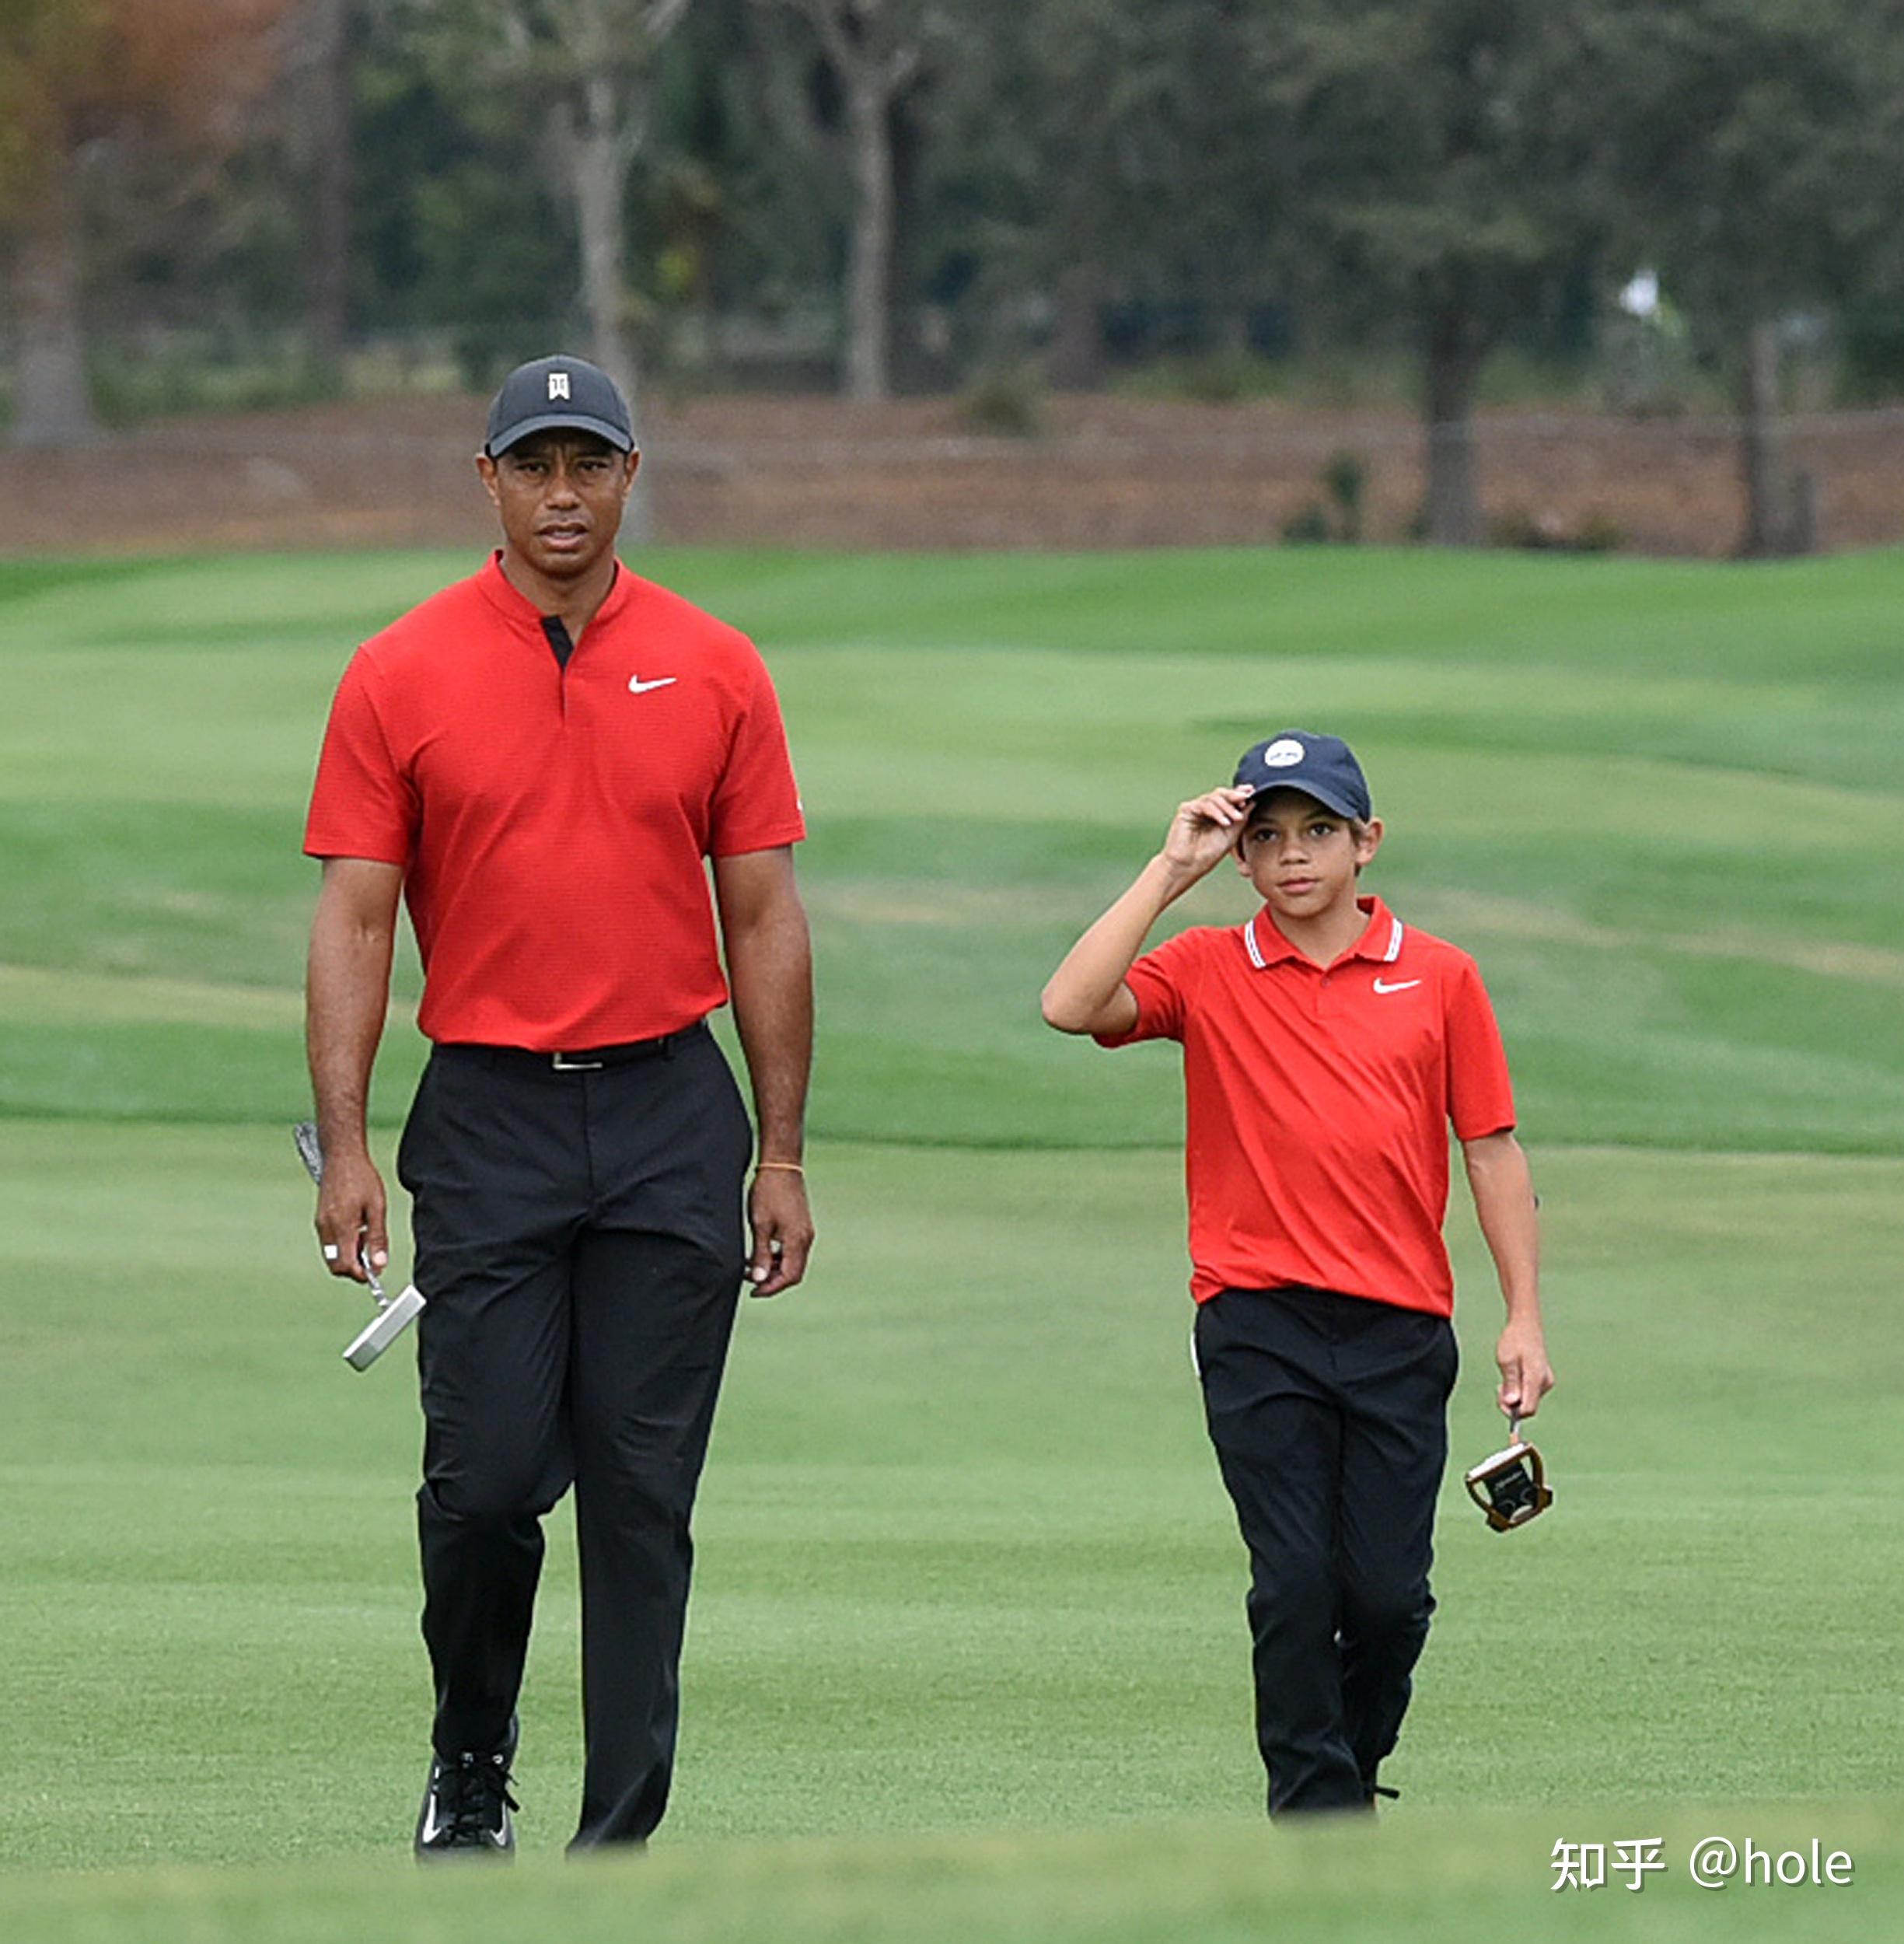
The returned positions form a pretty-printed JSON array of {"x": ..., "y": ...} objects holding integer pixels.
[{"x": 1302, "y": 858}]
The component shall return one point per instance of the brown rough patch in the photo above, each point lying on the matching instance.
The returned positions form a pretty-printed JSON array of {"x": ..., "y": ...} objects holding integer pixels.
[{"x": 1105, "y": 472}]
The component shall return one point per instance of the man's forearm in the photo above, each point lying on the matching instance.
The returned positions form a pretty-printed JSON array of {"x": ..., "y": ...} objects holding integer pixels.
[
  {"x": 347, "y": 994},
  {"x": 769, "y": 965}
]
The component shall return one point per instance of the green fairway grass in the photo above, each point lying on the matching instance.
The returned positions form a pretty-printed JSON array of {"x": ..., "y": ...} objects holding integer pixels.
[
  {"x": 1437, "y": 1879},
  {"x": 1661, "y": 803},
  {"x": 967, "y": 1657}
]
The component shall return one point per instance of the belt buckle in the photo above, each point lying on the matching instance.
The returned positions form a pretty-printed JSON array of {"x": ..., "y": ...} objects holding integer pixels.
[{"x": 563, "y": 1063}]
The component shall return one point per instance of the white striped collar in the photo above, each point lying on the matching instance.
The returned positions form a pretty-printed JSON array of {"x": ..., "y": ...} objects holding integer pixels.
[{"x": 1258, "y": 958}]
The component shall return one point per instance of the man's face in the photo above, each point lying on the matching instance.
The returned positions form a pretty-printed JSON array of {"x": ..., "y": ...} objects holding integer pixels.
[
  {"x": 560, "y": 496},
  {"x": 1302, "y": 858}
]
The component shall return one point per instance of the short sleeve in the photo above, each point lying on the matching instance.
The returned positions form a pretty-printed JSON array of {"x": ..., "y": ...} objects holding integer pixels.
[
  {"x": 1480, "y": 1095},
  {"x": 756, "y": 804},
  {"x": 1164, "y": 981},
  {"x": 362, "y": 805}
]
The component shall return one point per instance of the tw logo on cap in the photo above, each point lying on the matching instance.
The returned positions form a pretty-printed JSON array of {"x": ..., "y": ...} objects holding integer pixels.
[{"x": 558, "y": 385}]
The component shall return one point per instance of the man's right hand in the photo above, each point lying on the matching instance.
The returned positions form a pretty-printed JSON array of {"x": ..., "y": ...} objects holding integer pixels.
[
  {"x": 352, "y": 1216},
  {"x": 1205, "y": 830}
]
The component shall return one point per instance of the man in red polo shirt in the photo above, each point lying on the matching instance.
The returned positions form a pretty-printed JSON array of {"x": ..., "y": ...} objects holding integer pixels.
[
  {"x": 541, "y": 760},
  {"x": 1327, "y": 1048}
]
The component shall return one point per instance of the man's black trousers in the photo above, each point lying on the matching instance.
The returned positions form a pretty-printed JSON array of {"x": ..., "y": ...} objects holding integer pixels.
[
  {"x": 578, "y": 1241},
  {"x": 1328, "y": 1414}
]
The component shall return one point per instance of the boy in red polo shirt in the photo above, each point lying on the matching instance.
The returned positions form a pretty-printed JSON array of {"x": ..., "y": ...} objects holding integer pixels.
[{"x": 1327, "y": 1049}]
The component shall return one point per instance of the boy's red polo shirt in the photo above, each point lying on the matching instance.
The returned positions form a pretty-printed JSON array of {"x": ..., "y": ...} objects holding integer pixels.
[
  {"x": 1319, "y": 1103},
  {"x": 552, "y": 822}
]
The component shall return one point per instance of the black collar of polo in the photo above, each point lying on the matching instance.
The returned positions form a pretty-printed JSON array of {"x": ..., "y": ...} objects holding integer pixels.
[{"x": 556, "y": 629}]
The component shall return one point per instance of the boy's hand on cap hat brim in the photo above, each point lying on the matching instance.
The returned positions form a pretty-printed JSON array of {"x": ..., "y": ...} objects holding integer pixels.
[{"x": 1204, "y": 830}]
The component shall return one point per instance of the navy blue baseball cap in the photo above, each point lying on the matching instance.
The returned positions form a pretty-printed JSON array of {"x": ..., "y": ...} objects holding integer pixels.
[
  {"x": 1323, "y": 767},
  {"x": 559, "y": 394}
]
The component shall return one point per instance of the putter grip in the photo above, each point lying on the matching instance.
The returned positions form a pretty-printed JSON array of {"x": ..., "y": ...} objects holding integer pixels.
[{"x": 309, "y": 1152}]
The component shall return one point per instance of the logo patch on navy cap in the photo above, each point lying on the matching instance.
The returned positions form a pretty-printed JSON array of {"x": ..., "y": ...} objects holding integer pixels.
[
  {"x": 558, "y": 385},
  {"x": 1280, "y": 756}
]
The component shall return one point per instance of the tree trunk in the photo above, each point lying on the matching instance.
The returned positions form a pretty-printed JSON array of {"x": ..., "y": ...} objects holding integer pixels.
[
  {"x": 1777, "y": 521},
  {"x": 1454, "y": 501},
  {"x": 1075, "y": 361},
  {"x": 596, "y": 180},
  {"x": 592, "y": 146},
  {"x": 51, "y": 405},
  {"x": 331, "y": 110},
  {"x": 869, "y": 276}
]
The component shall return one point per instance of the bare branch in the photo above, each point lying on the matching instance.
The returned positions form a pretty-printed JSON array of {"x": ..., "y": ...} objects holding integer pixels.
[{"x": 663, "y": 17}]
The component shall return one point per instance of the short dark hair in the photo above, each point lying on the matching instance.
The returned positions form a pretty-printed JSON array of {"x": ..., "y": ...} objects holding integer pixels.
[{"x": 1261, "y": 800}]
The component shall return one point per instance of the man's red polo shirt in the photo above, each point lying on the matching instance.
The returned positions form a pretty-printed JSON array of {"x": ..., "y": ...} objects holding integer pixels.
[
  {"x": 552, "y": 821},
  {"x": 1319, "y": 1103}
]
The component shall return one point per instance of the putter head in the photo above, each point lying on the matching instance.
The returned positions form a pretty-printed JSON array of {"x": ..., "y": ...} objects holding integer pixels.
[
  {"x": 1511, "y": 1487},
  {"x": 391, "y": 1319}
]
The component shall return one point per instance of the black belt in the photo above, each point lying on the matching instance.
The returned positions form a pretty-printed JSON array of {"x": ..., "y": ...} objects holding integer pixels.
[{"x": 584, "y": 1059}]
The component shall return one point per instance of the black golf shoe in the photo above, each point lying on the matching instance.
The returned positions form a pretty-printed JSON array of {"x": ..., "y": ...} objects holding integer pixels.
[{"x": 466, "y": 1808}]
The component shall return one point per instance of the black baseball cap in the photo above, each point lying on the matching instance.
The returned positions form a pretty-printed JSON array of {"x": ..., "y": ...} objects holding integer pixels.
[
  {"x": 1323, "y": 767},
  {"x": 551, "y": 394}
]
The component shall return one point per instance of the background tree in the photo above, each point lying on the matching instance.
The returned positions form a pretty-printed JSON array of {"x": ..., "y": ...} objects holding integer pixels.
[
  {"x": 468, "y": 235},
  {"x": 581, "y": 72},
  {"x": 76, "y": 75},
  {"x": 1762, "y": 173},
  {"x": 744, "y": 203},
  {"x": 320, "y": 58},
  {"x": 585, "y": 68},
  {"x": 1104, "y": 151},
  {"x": 877, "y": 50},
  {"x": 1447, "y": 161}
]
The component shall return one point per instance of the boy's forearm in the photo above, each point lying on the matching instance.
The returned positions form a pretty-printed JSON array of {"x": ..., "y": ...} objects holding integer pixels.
[
  {"x": 1088, "y": 980},
  {"x": 1504, "y": 1202}
]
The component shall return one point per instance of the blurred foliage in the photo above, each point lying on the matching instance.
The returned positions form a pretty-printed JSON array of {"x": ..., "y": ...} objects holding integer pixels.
[
  {"x": 1231, "y": 198},
  {"x": 79, "y": 72},
  {"x": 1336, "y": 515},
  {"x": 1006, "y": 401}
]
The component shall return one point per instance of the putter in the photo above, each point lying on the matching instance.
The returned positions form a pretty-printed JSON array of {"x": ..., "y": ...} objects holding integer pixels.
[
  {"x": 395, "y": 1314},
  {"x": 1511, "y": 1487}
]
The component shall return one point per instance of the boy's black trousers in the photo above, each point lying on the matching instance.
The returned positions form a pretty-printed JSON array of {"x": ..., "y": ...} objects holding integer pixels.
[
  {"x": 579, "y": 1245},
  {"x": 1328, "y": 1413}
]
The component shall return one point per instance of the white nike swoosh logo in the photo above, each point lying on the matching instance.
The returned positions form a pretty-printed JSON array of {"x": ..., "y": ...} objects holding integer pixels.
[
  {"x": 638, "y": 686},
  {"x": 432, "y": 1827},
  {"x": 1400, "y": 985}
]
